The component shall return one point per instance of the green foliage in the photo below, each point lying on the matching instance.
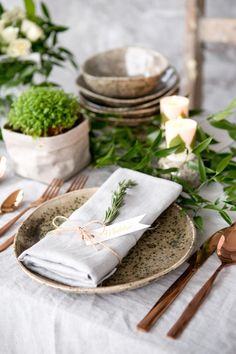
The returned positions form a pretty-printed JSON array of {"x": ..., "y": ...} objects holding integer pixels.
[
  {"x": 202, "y": 146},
  {"x": 220, "y": 121},
  {"x": 23, "y": 71},
  {"x": 140, "y": 148},
  {"x": 43, "y": 111},
  {"x": 29, "y": 7}
]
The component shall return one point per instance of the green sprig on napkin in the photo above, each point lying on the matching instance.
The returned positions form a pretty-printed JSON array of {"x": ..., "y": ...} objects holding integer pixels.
[{"x": 118, "y": 200}]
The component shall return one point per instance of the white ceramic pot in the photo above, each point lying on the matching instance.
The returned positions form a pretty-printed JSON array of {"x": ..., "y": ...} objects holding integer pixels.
[{"x": 43, "y": 159}]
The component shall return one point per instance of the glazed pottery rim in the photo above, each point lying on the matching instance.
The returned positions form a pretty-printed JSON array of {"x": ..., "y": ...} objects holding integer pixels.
[
  {"x": 95, "y": 108},
  {"x": 163, "y": 66},
  {"x": 117, "y": 100},
  {"x": 110, "y": 288}
]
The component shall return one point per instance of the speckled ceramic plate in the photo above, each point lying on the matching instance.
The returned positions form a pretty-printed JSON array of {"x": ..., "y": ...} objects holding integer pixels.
[
  {"x": 158, "y": 252},
  {"x": 125, "y": 113}
]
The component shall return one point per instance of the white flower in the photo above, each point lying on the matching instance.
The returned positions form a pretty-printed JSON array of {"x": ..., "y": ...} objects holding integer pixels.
[
  {"x": 13, "y": 15},
  {"x": 19, "y": 47},
  {"x": 9, "y": 34},
  {"x": 32, "y": 31}
]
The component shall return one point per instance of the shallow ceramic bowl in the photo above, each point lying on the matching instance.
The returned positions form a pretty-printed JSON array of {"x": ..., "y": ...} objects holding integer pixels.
[
  {"x": 143, "y": 112},
  {"x": 169, "y": 79},
  {"x": 124, "y": 72},
  {"x": 88, "y": 103},
  {"x": 159, "y": 251}
]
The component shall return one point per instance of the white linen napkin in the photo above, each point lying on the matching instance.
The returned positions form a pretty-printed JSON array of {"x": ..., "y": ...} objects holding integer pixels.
[{"x": 64, "y": 256}]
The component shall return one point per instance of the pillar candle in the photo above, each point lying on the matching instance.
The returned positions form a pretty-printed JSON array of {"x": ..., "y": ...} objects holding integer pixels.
[
  {"x": 181, "y": 130},
  {"x": 173, "y": 107}
]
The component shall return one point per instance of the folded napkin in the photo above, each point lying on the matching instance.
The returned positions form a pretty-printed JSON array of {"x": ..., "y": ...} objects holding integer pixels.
[{"x": 63, "y": 256}]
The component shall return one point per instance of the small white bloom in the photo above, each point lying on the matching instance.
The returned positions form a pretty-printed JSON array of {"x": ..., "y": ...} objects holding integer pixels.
[
  {"x": 32, "y": 31},
  {"x": 19, "y": 47},
  {"x": 9, "y": 34},
  {"x": 13, "y": 15}
]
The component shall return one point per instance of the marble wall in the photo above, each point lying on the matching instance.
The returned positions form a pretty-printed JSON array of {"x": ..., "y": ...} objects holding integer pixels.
[{"x": 96, "y": 25}]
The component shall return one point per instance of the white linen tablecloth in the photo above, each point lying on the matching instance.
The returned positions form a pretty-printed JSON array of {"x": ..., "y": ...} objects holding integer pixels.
[{"x": 35, "y": 319}]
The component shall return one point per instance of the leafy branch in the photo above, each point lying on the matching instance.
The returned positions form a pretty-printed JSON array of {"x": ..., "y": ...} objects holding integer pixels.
[
  {"x": 140, "y": 148},
  {"x": 118, "y": 200}
]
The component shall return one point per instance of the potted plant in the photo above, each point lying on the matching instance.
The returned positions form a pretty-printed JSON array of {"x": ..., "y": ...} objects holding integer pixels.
[
  {"x": 45, "y": 135},
  {"x": 29, "y": 50}
]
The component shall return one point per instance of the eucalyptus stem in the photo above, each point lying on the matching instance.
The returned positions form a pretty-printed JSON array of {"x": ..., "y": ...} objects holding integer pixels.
[{"x": 117, "y": 200}]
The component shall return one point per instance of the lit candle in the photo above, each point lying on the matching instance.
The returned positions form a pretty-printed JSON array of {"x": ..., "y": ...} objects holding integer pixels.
[
  {"x": 173, "y": 107},
  {"x": 181, "y": 131}
]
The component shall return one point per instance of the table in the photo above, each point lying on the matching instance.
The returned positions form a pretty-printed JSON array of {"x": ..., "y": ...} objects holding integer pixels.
[{"x": 36, "y": 319}]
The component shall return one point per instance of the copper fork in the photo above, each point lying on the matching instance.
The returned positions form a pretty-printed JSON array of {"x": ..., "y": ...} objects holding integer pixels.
[
  {"x": 77, "y": 183},
  {"x": 195, "y": 262},
  {"x": 51, "y": 191}
]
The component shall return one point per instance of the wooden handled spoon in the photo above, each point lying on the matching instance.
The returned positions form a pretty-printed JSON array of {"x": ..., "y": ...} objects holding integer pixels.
[
  {"x": 12, "y": 202},
  {"x": 226, "y": 251}
]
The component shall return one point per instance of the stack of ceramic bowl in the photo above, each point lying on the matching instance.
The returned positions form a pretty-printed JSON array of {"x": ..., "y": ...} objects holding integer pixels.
[{"x": 124, "y": 86}]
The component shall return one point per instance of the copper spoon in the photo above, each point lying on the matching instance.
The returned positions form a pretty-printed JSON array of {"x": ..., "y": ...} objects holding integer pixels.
[
  {"x": 12, "y": 202},
  {"x": 226, "y": 251},
  {"x": 3, "y": 165}
]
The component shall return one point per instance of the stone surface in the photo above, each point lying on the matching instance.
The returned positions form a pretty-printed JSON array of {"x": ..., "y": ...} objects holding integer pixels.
[{"x": 97, "y": 25}]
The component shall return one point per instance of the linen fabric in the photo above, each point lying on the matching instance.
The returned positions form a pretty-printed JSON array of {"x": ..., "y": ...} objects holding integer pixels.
[{"x": 63, "y": 256}]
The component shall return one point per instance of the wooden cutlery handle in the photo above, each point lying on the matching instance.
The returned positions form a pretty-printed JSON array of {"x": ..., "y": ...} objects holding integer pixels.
[
  {"x": 7, "y": 226},
  {"x": 166, "y": 300},
  {"x": 7, "y": 243},
  {"x": 193, "y": 306}
]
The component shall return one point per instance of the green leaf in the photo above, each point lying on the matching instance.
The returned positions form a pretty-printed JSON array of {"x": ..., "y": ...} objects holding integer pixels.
[
  {"x": 57, "y": 28},
  {"x": 195, "y": 112},
  {"x": 157, "y": 140},
  {"x": 225, "y": 216},
  {"x": 232, "y": 134},
  {"x": 166, "y": 152},
  {"x": 202, "y": 146},
  {"x": 45, "y": 10},
  {"x": 225, "y": 113},
  {"x": 202, "y": 170},
  {"x": 143, "y": 163},
  {"x": 164, "y": 171},
  {"x": 131, "y": 153},
  {"x": 232, "y": 105},
  {"x": 108, "y": 159},
  {"x": 211, "y": 207},
  {"x": 30, "y": 8},
  {"x": 177, "y": 140},
  {"x": 223, "y": 164},
  {"x": 224, "y": 124},
  {"x": 1, "y": 9},
  {"x": 198, "y": 221}
]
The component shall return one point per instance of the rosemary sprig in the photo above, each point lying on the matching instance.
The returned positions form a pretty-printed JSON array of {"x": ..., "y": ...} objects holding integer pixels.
[{"x": 117, "y": 200}]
